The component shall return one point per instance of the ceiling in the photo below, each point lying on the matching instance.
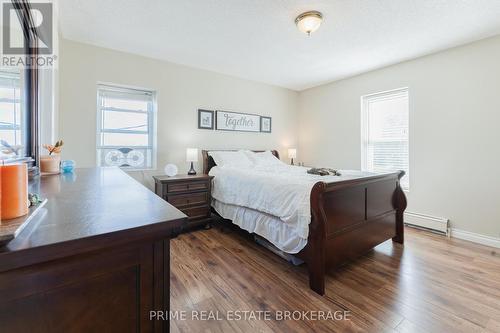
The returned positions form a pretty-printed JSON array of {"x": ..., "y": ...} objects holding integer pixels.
[{"x": 258, "y": 40}]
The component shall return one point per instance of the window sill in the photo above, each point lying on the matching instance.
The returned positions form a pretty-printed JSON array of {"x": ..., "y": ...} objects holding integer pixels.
[{"x": 137, "y": 170}]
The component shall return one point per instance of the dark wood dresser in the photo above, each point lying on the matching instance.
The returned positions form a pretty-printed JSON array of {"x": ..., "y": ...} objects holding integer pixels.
[
  {"x": 95, "y": 258},
  {"x": 191, "y": 194}
]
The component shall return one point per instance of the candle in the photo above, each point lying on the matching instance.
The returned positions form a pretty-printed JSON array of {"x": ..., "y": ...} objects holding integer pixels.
[{"x": 14, "y": 191}]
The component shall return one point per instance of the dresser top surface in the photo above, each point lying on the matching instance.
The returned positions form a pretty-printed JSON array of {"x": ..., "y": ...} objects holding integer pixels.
[{"x": 90, "y": 203}]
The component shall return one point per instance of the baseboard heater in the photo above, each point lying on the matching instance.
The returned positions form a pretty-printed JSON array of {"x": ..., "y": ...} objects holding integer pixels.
[{"x": 435, "y": 224}]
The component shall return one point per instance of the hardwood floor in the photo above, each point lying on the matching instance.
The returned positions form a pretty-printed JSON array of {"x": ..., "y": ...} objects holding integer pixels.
[{"x": 432, "y": 284}]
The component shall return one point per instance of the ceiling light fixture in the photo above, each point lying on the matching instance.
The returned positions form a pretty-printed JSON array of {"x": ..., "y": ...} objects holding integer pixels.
[{"x": 309, "y": 21}]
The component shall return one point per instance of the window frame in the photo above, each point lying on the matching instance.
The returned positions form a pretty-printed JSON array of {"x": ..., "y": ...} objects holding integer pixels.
[
  {"x": 152, "y": 123},
  {"x": 30, "y": 93},
  {"x": 365, "y": 101}
]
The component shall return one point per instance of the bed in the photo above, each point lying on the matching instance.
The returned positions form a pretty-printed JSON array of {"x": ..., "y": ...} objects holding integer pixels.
[{"x": 334, "y": 219}]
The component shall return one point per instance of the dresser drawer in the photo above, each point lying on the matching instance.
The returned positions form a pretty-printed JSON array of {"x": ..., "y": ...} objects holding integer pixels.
[
  {"x": 192, "y": 199},
  {"x": 187, "y": 186},
  {"x": 197, "y": 212}
]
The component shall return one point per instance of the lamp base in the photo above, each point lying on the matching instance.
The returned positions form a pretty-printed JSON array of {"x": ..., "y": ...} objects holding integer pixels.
[
  {"x": 192, "y": 171},
  {"x": 291, "y": 162}
]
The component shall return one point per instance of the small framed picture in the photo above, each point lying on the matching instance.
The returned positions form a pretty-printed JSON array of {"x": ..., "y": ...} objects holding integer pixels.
[
  {"x": 205, "y": 119},
  {"x": 265, "y": 124}
]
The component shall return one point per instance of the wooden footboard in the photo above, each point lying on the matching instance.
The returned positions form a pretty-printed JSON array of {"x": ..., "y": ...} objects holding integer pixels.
[{"x": 350, "y": 218}]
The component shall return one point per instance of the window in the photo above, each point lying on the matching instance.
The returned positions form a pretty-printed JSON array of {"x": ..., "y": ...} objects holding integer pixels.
[
  {"x": 385, "y": 145},
  {"x": 12, "y": 119},
  {"x": 20, "y": 99},
  {"x": 125, "y": 127}
]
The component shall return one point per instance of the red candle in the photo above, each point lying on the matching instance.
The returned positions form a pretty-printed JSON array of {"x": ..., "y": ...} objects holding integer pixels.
[{"x": 14, "y": 191}]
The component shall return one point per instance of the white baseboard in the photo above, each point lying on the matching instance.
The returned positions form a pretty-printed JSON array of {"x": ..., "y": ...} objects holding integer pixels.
[
  {"x": 475, "y": 238},
  {"x": 433, "y": 223}
]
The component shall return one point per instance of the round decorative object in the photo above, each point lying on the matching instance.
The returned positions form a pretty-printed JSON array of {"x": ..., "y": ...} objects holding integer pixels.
[
  {"x": 171, "y": 170},
  {"x": 67, "y": 166},
  {"x": 135, "y": 158},
  {"x": 114, "y": 158}
]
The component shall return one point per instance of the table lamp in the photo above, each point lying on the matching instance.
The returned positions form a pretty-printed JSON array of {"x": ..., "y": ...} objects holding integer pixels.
[
  {"x": 192, "y": 156},
  {"x": 292, "y": 153}
]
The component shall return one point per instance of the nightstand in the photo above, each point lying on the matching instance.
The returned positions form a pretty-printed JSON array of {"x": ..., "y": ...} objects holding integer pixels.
[{"x": 190, "y": 194}]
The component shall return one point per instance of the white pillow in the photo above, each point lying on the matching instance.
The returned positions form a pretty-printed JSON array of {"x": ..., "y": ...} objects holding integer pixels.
[
  {"x": 263, "y": 159},
  {"x": 234, "y": 159}
]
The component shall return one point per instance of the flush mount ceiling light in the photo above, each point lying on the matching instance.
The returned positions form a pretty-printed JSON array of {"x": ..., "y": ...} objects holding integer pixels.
[{"x": 309, "y": 21}]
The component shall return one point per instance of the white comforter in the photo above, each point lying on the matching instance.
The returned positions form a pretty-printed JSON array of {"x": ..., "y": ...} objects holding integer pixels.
[{"x": 280, "y": 190}]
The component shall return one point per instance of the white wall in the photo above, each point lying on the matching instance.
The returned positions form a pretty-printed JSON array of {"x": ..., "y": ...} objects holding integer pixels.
[
  {"x": 48, "y": 106},
  {"x": 49, "y": 97},
  {"x": 180, "y": 92},
  {"x": 454, "y": 131}
]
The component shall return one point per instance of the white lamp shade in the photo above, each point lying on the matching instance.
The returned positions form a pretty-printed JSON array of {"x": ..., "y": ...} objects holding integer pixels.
[
  {"x": 192, "y": 155},
  {"x": 292, "y": 153}
]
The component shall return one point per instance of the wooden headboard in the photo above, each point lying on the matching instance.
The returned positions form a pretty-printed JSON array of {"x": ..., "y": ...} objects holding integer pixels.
[{"x": 209, "y": 163}]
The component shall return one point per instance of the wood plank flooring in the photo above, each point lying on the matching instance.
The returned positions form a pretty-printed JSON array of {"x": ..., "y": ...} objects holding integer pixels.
[{"x": 432, "y": 284}]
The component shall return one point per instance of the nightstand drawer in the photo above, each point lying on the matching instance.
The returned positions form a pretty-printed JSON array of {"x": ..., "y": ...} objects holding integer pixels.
[
  {"x": 197, "y": 212},
  {"x": 193, "y": 199},
  {"x": 187, "y": 186}
]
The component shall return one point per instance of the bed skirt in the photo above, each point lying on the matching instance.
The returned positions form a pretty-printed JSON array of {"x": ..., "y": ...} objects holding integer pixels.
[{"x": 271, "y": 228}]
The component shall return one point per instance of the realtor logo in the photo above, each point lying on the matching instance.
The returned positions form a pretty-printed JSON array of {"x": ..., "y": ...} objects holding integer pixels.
[
  {"x": 40, "y": 27},
  {"x": 29, "y": 34}
]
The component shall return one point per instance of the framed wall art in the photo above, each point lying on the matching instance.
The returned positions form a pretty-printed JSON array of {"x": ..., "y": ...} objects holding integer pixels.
[
  {"x": 265, "y": 124},
  {"x": 235, "y": 121},
  {"x": 205, "y": 119}
]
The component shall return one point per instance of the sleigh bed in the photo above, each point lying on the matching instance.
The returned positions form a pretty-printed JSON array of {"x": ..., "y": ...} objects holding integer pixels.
[{"x": 347, "y": 219}]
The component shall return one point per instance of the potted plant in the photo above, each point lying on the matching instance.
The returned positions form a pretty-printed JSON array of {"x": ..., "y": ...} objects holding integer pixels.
[{"x": 50, "y": 163}]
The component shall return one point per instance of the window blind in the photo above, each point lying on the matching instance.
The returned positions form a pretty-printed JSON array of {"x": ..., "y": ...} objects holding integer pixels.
[{"x": 385, "y": 137}]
